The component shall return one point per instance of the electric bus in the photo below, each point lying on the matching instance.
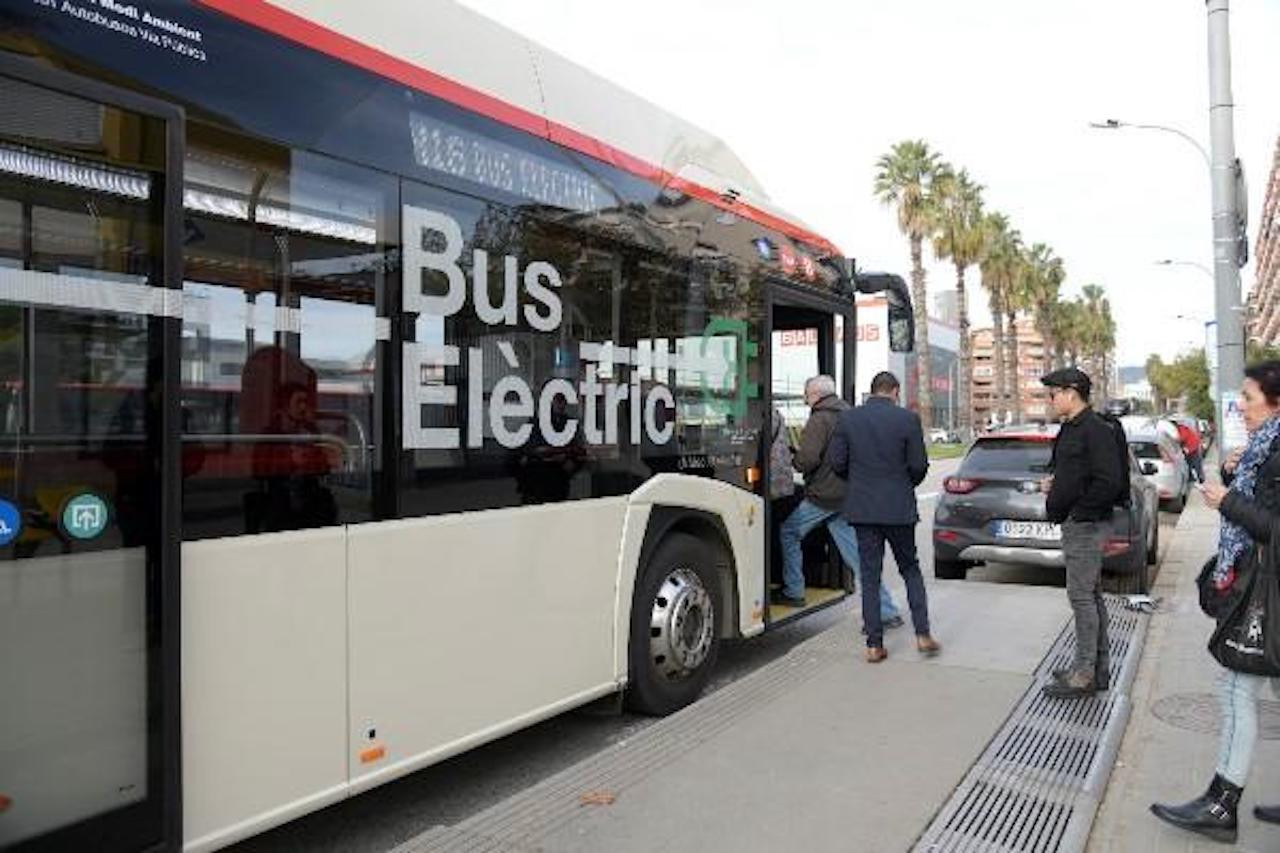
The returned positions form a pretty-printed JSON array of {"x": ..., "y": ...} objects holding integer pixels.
[{"x": 373, "y": 383}]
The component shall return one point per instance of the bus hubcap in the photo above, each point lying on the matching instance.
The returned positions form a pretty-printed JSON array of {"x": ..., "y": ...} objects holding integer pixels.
[{"x": 680, "y": 628}]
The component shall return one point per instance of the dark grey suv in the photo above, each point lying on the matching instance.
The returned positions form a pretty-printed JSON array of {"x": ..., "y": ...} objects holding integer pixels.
[{"x": 992, "y": 510}]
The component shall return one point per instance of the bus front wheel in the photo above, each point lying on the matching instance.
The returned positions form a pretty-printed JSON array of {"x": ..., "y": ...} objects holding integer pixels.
[{"x": 675, "y": 626}]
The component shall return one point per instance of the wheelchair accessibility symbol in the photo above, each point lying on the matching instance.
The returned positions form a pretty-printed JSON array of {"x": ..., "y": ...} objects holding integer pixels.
[
  {"x": 85, "y": 516},
  {"x": 10, "y": 522}
]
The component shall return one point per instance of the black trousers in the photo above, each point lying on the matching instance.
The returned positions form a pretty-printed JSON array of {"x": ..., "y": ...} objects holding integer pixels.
[{"x": 902, "y": 539}]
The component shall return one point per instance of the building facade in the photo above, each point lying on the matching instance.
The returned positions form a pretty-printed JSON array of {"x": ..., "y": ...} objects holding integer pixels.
[
  {"x": 1264, "y": 297},
  {"x": 946, "y": 307},
  {"x": 1033, "y": 363}
]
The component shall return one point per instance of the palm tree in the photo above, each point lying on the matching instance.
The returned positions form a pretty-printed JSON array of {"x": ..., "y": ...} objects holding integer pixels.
[
  {"x": 1099, "y": 336},
  {"x": 1067, "y": 323},
  {"x": 1045, "y": 285},
  {"x": 962, "y": 239},
  {"x": 905, "y": 180},
  {"x": 998, "y": 265},
  {"x": 1017, "y": 299},
  {"x": 1102, "y": 335}
]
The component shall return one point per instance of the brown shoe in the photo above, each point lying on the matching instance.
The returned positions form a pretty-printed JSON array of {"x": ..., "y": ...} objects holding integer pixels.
[
  {"x": 876, "y": 654},
  {"x": 928, "y": 646}
]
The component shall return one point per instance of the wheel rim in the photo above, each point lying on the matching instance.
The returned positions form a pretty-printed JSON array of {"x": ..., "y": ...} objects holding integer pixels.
[{"x": 681, "y": 625}]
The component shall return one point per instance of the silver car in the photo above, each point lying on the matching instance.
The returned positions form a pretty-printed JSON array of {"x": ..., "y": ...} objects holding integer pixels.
[{"x": 1161, "y": 460}]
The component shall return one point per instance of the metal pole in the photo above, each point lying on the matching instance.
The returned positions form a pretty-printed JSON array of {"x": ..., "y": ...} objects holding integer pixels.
[{"x": 1226, "y": 275}]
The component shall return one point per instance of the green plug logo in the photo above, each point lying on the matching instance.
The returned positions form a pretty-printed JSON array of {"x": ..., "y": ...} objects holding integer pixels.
[{"x": 745, "y": 351}]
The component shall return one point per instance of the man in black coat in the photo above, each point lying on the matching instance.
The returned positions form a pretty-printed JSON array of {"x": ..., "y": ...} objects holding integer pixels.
[
  {"x": 878, "y": 448},
  {"x": 1086, "y": 481}
]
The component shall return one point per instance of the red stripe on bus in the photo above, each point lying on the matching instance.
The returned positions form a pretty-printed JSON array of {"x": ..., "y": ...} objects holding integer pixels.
[{"x": 281, "y": 22}]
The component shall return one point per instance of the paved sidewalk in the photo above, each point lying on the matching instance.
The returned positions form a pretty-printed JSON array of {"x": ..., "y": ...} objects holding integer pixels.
[
  {"x": 1170, "y": 747},
  {"x": 818, "y": 751}
]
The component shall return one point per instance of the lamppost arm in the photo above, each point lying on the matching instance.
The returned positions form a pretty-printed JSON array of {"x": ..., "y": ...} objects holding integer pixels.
[
  {"x": 1169, "y": 262},
  {"x": 1113, "y": 124}
]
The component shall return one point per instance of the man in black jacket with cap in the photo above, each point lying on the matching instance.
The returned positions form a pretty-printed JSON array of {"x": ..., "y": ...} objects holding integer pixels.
[{"x": 1086, "y": 480}]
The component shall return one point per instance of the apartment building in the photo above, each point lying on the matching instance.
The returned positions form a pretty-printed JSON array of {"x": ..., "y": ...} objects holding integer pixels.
[
  {"x": 1264, "y": 297},
  {"x": 1033, "y": 362}
]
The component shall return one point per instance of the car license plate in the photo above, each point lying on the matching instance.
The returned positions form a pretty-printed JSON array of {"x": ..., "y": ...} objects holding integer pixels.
[{"x": 1042, "y": 530}]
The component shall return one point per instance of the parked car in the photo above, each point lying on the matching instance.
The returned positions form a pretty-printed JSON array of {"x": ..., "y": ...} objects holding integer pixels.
[
  {"x": 943, "y": 436},
  {"x": 1161, "y": 461},
  {"x": 992, "y": 510},
  {"x": 1119, "y": 407}
]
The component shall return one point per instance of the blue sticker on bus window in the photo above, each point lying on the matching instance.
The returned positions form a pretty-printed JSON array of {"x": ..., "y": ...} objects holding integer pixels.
[
  {"x": 10, "y": 522},
  {"x": 85, "y": 516}
]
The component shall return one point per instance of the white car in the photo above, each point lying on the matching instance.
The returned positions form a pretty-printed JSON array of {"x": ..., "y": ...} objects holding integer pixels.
[{"x": 1162, "y": 462}]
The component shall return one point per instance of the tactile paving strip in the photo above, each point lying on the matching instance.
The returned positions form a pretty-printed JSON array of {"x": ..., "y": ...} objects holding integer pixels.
[{"x": 518, "y": 824}]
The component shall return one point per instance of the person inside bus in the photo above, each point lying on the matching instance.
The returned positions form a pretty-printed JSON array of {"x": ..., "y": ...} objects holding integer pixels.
[
  {"x": 291, "y": 474},
  {"x": 544, "y": 472},
  {"x": 824, "y": 494},
  {"x": 782, "y": 482}
]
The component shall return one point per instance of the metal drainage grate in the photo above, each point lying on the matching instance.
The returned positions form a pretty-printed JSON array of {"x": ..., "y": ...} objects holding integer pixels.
[{"x": 1039, "y": 782}]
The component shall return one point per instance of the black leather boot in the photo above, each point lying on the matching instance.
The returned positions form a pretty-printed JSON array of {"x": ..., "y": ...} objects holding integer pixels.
[
  {"x": 1213, "y": 815},
  {"x": 1271, "y": 814}
]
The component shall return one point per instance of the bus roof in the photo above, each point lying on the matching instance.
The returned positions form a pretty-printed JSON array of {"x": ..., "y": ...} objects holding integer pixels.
[{"x": 457, "y": 54}]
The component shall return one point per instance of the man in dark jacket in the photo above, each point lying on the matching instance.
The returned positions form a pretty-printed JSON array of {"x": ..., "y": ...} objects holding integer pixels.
[
  {"x": 878, "y": 448},
  {"x": 1085, "y": 483},
  {"x": 823, "y": 493}
]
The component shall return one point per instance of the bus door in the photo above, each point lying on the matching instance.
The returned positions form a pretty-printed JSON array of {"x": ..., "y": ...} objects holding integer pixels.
[
  {"x": 807, "y": 338},
  {"x": 90, "y": 195}
]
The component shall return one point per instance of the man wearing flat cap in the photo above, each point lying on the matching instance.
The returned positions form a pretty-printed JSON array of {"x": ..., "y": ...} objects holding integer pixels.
[{"x": 1083, "y": 490}]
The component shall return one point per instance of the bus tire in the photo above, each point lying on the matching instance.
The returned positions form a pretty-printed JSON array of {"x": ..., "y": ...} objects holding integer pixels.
[{"x": 676, "y": 616}]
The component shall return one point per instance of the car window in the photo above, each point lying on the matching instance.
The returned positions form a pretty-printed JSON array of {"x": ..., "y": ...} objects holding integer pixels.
[
  {"x": 1008, "y": 454},
  {"x": 1145, "y": 449}
]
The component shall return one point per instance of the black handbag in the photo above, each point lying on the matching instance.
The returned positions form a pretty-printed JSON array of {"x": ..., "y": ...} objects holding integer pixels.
[
  {"x": 1247, "y": 638},
  {"x": 1213, "y": 601}
]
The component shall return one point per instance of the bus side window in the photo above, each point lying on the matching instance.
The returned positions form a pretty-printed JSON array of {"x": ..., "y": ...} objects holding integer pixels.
[{"x": 286, "y": 258}]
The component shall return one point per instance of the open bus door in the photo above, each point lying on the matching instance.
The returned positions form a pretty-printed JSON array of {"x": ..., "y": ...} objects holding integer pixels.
[
  {"x": 90, "y": 271},
  {"x": 812, "y": 333}
]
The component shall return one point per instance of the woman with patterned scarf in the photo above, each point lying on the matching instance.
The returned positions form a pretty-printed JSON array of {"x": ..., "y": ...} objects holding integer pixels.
[{"x": 1248, "y": 507}]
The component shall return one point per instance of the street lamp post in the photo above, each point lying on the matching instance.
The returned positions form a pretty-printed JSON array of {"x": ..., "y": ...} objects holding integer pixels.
[
  {"x": 1227, "y": 221},
  {"x": 1225, "y": 183},
  {"x": 953, "y": 376}
]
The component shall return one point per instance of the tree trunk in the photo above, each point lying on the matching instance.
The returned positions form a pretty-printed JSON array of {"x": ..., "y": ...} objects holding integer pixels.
[
  {"x": 998, "y": 347},
  {"x": 1015, "y": 393},
  {"x": 924, "y": 372},
  {"x": 964, "y": 384}
]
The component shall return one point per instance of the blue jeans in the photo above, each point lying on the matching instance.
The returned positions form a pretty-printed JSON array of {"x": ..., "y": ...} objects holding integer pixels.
[
  {"x": 802, "y": 520},
  {"x": 1238, "y": 694}
]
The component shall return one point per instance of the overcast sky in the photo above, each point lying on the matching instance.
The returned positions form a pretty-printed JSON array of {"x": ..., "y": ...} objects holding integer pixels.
[{"x": 810, "y": 92}]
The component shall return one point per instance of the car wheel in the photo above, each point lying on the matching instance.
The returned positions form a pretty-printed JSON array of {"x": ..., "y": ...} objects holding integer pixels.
[
  {"x": 949, "y": 570},
  {"x": 1177, "y": 504},
  {"x": 1153, "y": 549},
  {"x": 675, "y": 626}
]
